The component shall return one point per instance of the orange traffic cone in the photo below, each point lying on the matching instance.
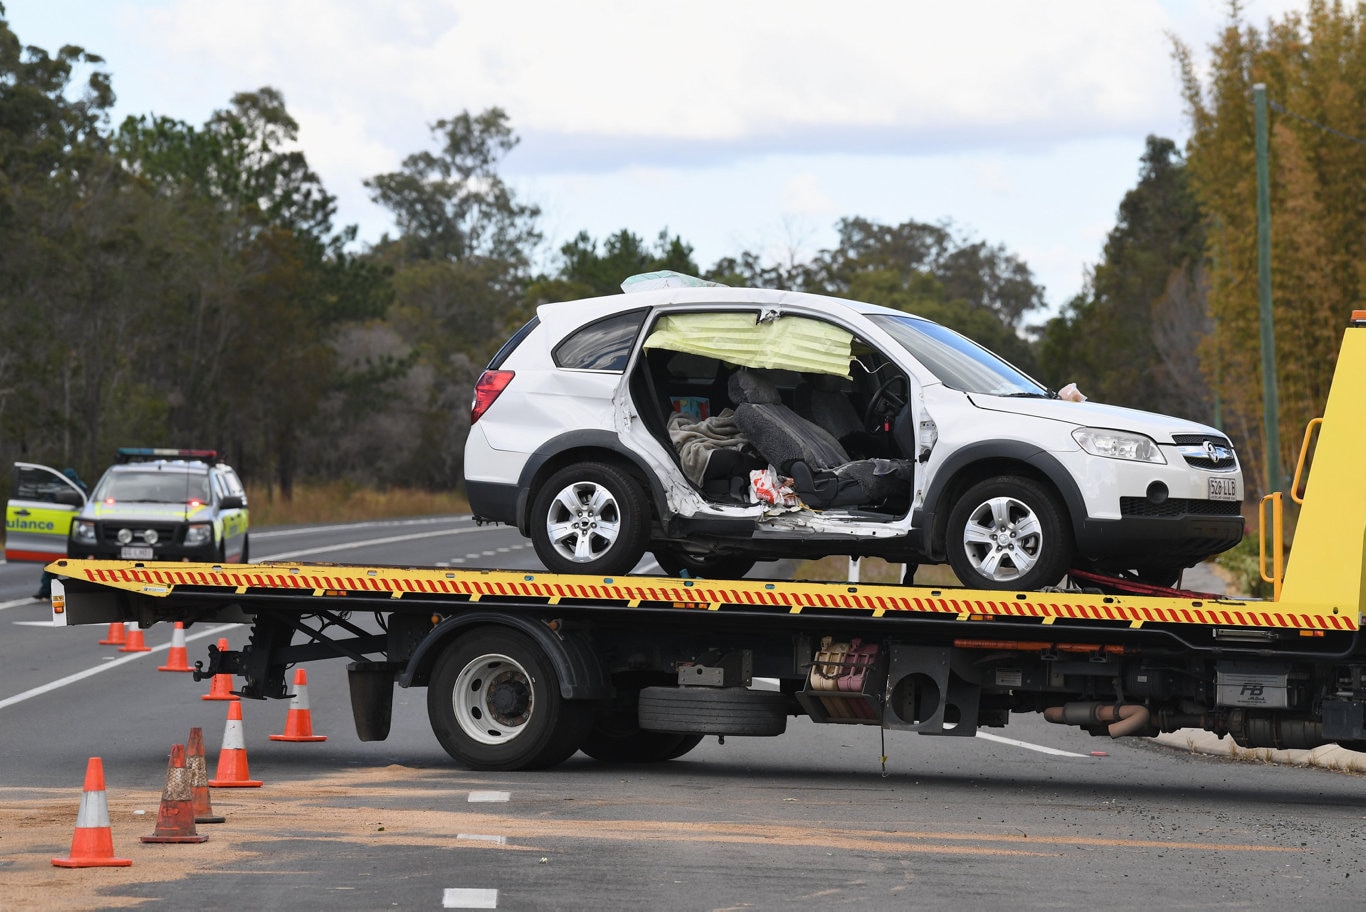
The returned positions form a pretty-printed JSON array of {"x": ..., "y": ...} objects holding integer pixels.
[
  {"x": 93, "y": 844},
  {"x": 175, "y": 818},
  {"x": 199, "y": 779},
  {"x": 232, "y": 758},
  {"x": 115, "y": 635},
  {"x": 220, "y": 688},
  {"x": 299, "y": 722},
  {"x": 178, "y": 659},
  {"x": 135, "y": 641}
]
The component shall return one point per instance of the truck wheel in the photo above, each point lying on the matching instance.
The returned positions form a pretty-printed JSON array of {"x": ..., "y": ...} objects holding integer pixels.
[
  {"x": 638, "y": 746},
  {"x": 675, "y": 561},
  {"x": 494, "y": 704},
  {"x": 1008, "y": 532},
  {"x": 589, "y": 518},
  {"x": 713, "y": 710}
]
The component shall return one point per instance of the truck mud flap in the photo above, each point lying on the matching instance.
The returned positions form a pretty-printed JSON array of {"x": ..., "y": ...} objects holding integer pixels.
[{"x": 372, "y": 697}]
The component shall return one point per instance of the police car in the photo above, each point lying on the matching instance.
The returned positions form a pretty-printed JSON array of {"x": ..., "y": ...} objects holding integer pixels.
[{"x": 152, "y": 504}]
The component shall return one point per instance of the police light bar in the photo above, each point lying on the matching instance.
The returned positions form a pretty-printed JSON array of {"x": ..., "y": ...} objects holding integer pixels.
[{"x": 144, "y": 454}]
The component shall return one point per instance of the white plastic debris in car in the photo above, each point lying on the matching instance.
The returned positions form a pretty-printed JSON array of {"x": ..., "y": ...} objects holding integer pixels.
[
  {"x": 1071, "y": 393},
  {"x": 767, "y": 486},
  {"x": 665, "y": 278}
]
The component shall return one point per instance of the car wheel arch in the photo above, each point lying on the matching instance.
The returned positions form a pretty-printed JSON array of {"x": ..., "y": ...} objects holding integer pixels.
[
  {"x": 986, "y": 459},
  {"x": 577, "y": 447}
]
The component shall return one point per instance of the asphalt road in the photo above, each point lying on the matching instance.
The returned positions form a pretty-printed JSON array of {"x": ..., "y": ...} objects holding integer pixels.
[{"x": 1018, "y": 818}]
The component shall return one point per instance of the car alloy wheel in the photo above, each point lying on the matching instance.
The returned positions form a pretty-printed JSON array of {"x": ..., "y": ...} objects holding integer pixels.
[
  {"x": 590, "y": 518},
  {"x": 1008, "y": 533}
]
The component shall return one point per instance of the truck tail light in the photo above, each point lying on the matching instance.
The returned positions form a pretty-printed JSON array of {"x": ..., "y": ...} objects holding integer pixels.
[{"x": 490, "y": 384}]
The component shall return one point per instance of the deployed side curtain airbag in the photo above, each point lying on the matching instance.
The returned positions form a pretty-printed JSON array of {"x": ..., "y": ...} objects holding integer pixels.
[{"x": 786, "y": 343}]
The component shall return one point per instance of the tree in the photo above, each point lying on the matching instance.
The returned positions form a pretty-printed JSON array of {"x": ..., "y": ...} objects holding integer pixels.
[
  {"x": 452, "y": 205},
  {"x": 56, "y": 177},
  {"x": 980, "y": 290},
  {"x": 461, "y": 264},
  {"x": 1314, "y": 67},
  {"x": 585, "y": 273},
  {"x": 1131, "y": 334},
  {"x": 269, "y": 292}
]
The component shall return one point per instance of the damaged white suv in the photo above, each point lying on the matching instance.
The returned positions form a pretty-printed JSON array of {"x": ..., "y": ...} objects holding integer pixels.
[{"x": 716, "y": 427}]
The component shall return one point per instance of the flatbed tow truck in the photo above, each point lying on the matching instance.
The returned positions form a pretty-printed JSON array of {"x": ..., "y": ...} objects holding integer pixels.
[{"x": 523, "y": 669}]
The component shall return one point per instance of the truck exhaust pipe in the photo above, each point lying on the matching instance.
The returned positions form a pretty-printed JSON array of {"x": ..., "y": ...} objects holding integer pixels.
[{"x": 1120, "y": 719}]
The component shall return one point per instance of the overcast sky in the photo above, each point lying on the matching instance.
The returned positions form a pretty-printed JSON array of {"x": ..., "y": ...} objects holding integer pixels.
[{"x": 738, "y": 125}]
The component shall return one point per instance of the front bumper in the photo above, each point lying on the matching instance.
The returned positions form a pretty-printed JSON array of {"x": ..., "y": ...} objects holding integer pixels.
[
  {"x": 206, "y": 553},
  {"x": 1181, "y": 539}
]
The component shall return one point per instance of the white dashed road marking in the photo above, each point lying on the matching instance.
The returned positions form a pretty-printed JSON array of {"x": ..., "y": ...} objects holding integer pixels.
[
  {"x": 475, "y": 837},
  {"x": 469, "y": 898},
  {"x": 1027, "y": 746},
  {"x": 489, "y": 796}
]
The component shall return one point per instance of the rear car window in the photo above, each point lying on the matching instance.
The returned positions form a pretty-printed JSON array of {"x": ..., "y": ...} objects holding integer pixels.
[{"x": 603, "y": 345}]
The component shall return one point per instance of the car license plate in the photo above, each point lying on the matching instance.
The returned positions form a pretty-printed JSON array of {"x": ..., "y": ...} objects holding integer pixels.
[
  {"x": 1223, "y": 489},
  {"x": 144, "y": 553}
]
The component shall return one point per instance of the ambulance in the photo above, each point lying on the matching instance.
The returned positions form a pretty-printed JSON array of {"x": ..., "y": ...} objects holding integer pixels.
[{"x": 154, "y": 503}]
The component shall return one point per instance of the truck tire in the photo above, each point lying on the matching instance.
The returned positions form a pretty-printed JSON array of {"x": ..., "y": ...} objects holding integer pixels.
[
  {"x": 494, "y": 704},
  {"x": 639, "y": 746},
  {"x": 713, "y": 710},
  {"x": 590, "y": 518},
  {"x": 1008, "y": 532}
]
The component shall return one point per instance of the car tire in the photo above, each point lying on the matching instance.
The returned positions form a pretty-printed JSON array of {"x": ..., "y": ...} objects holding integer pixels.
[
  {"x": 1009, "y": 532},
  {"x": 590, "y": 518},
  {"x": 677, "y": 562},
  {"x": 494, "y": 704}
]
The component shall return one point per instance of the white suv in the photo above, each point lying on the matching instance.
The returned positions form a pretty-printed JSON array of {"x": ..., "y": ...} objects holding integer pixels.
[{"x": 716, "y": 427}]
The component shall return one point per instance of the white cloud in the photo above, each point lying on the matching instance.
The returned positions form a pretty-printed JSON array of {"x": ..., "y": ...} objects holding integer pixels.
[
  {"x": 705, "y": 71},
  {"x": 803, "y": 195},
  {"x": 728, "y": 123}
]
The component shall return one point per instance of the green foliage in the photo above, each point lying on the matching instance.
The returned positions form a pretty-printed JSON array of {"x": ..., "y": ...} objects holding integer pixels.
[
  {"x": 1242, "y": 562},
  {"x": 451, "y": 204},
  {"x": 1314, "y": 67},
  {"x": 1131, "y": 337},
  {"x": 585, "y": 273},
  {"x": 980, "y": 290}
]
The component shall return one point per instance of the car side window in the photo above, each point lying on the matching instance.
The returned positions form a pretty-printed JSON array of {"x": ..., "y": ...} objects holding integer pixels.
[
  {"x": 603, "y": 345},
  {"x": 233, "y": 484}
]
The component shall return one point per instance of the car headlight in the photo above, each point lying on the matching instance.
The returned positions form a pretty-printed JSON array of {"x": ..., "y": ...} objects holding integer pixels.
[
  {"x": 83, "y": 531},
  {"x": 197, "y": 534},
  {"x": 1118, "y": 445}
]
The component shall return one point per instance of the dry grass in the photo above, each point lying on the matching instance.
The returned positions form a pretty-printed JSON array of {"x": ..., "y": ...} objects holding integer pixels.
[{"x": 342, "y": 502}]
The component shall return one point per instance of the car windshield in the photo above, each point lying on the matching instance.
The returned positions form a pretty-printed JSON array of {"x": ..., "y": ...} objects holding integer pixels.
[
  {"x": 154, "y": 487},
  {"x": 957, "y": 361}
]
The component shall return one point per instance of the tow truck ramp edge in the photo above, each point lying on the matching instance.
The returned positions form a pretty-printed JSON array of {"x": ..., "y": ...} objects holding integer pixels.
[{"x": 524, "y": 669}]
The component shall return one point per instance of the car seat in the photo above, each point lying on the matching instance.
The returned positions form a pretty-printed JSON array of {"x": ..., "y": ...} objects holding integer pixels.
[{"x": 822, "y": 472}]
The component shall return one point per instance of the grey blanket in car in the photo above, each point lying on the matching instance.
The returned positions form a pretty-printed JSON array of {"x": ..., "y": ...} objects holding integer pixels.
[{"x": 697, "y": 440}]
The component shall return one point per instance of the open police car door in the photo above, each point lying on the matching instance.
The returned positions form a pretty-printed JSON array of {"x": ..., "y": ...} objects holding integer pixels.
[{"x": 38, "y": 516}]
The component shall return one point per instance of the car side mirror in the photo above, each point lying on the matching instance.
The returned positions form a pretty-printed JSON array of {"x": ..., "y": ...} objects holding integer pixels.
[
  {"x": 231, "y": 502},
  {"x": 70, "y": 497}
]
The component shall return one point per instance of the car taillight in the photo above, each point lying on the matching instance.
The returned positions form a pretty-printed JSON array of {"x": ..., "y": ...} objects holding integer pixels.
[{"x": 486, "y": 390}]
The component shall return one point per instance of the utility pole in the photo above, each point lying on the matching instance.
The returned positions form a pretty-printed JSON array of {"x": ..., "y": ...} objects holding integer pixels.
[{"x": 1270, "y": 404}]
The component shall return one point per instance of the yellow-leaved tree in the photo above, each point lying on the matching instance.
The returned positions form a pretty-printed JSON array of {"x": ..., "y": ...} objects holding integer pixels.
[{"x": 1314, "y": 68}]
